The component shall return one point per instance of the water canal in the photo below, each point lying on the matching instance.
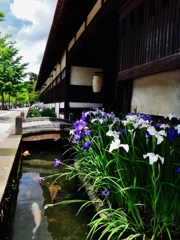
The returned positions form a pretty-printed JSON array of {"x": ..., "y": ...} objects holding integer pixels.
[{"x": 59, "y": 222}]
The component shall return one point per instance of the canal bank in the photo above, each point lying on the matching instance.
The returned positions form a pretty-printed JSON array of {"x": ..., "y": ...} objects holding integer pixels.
[{"x": 9, "y": 145}]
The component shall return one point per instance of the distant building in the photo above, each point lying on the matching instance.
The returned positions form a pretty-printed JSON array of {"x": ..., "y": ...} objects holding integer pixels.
[{"x": 132, "y": 47}]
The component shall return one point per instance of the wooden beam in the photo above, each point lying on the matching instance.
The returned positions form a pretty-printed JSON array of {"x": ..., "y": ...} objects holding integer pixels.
[
  {"x": 128, "y": 7},
  {"x": 161, "y": 65}
]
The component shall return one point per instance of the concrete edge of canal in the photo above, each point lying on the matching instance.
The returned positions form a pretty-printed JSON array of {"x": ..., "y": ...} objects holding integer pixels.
[{"x": 8, "y": 154}]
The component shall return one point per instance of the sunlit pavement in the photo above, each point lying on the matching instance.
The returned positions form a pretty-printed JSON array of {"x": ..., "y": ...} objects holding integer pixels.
[
  {"x": 9, "y": 144},
  {"x": 7, "y": 121}
]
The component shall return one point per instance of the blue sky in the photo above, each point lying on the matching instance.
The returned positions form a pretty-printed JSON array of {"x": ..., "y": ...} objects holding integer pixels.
[{"x": 29, "y": 22}]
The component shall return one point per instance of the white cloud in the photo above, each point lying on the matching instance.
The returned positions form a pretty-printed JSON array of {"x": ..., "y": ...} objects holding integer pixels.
[
  {"x": 36, "y": 18},
  {"x": 32, "y": 54}
]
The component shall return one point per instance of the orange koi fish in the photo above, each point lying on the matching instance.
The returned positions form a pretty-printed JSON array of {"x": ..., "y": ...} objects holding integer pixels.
[
  {"x": 53, "y": 188},
  {"x": 26, "y": 153}
]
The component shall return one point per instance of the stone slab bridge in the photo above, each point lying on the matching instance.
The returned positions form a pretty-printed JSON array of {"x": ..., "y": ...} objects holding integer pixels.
[{"x": 42, "y": 128}]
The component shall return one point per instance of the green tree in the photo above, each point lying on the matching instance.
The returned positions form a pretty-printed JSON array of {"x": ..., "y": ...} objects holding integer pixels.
[
  {"x": 22, "y": 96},
  {"x": 2, "y": 15},
  {"x": 12, "y": 71},
  {"x": 17, "y": 92},
  {"x": 33, "y": 95},
  {"x": 32, "y": 77}
]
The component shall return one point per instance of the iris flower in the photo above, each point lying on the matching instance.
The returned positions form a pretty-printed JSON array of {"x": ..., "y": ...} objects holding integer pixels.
[
  {"x": 113, "y": 134},
  {"x": 147, "y": 134},
  {"x": 171, "y": 115},
  {"x": 152, "y": 131},
  {"x": 117, "y": 144},
  {"x": 79, "y": 125},
  {"x": 84, "y": 117},
  {"x": 77, "y": 137},
  {"x": 177, "y": 128},
  {"x": 145, "y": 117},
  {"x": 57, "y": 162},
  {"x": 153, "y": 158},
  {"x": 105, "y": 192},
  {"x": 121, "y": 131},
  {"x": 96, "y": 137},
  {"x": 172, "y": 134},
  {"x": 86, "y": 145},
  {"x": 132, "y": 117},
  {"x": 87, "y": 132}
]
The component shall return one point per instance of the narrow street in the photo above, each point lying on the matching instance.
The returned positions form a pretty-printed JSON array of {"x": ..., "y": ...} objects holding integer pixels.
[{"x": 7, "y": 121}]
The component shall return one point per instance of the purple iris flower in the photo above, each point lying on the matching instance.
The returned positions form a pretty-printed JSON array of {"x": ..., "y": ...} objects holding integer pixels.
[
  {"x": 87, "y": 132},
  {"x": 106, "y": 192},
  {"x": 57, "y": 162},
  {"x": 96, "y": 137},
  {"x": 178, "y": 169},
  {"x": 172, "y": 134},
  {"x": 145, "y": 117},
  {"x": 158, "y": 124},
  {"x": 77, "y": 137},
  {"x": 121, "y": 131},
  {"x": 79, "y": 125},
  {"x": 147, "y": 134},
  {"x": 86, "y": 145},
  {"x": 110, "y": 115},
  {"x": 115, "y": 120},
  {"x": 97, "y": 111},
  {"x": 84, "y": 117}
]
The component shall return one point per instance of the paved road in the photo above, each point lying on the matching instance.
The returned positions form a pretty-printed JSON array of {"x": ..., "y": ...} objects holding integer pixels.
[{"x": 7, "y": 121}]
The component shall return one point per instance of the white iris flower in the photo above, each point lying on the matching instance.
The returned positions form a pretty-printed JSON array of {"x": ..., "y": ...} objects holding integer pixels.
[
  {"x": 153, "y": 157},
  {"x": 177, "y": 128},
  {"x": 171, "y": 115},
  {"x": 152, "y": 131},
  {"x": 117, "y": 144},
  {"x": 113, "y": 134}
]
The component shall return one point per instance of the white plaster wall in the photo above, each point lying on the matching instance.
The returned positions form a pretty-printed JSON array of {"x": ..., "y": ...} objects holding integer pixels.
[
  {"x": 157, "y": 94},
  {"x": 61, "y": 116},
  {"x": 63, "y": 61},
  {"x": 57, "y": 109},
  {"x": 82, "y": 75}
]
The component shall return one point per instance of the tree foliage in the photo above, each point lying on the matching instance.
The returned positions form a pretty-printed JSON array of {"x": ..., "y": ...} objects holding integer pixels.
[
  {"x": 12, "y": 70},
  {"x": 31, "y": 84},
  {"x": 2, "y": 15}
]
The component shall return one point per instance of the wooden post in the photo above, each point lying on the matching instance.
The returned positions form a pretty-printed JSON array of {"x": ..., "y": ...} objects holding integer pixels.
[
  {"x": 18, "y": 123},
  {"x": 22, "y": 115}
]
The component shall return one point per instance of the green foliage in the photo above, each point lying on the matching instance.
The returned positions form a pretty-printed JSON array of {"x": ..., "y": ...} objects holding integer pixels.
[
  {"x": 34, "y": 112},
  {"x": 41, "y": 112},
  {"x": 32, "y": 77},
  {"x": 48, "y": 112},
  {"x": 2, "y": 15},
  {"x": 12, "y": 71},
  {"x": 30, "y": 85},
  {"x": 133, "y": 167}
]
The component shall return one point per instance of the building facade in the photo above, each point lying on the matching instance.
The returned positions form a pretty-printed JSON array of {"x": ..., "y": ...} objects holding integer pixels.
[{"x": 129, "y": 49}]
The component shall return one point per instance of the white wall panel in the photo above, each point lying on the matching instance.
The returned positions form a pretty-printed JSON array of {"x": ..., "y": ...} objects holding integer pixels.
[
  {"x": 157, "y": 94},
  {"x": 82, "y": 75}
]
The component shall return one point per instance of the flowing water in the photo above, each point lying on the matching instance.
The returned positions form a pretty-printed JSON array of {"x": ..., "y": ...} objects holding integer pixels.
[{"x": 59, "y": 222}]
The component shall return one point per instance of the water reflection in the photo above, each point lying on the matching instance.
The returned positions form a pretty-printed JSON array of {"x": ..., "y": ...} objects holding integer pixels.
[
  {"x": 59, "y": 222},
  {"x": 30, "y": 192}
]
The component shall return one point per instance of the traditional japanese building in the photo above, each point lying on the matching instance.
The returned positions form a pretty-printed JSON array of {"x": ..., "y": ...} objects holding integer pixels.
[{"x": 128, "y": 49}]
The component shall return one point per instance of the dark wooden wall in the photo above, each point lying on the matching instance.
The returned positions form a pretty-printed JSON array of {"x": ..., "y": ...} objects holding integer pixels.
[
  {"x": 149, "y": 32},
  {"x": 149, "y": 42}
]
